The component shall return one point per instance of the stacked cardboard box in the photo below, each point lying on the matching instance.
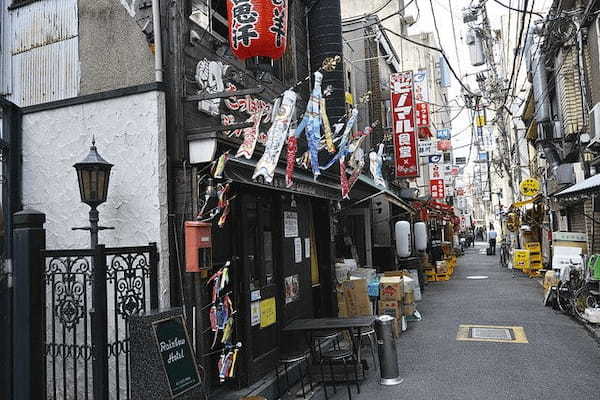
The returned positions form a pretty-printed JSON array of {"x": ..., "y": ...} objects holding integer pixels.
[
  {"x": 409, "y": 306},
  {"x": 391, "y": 294}
]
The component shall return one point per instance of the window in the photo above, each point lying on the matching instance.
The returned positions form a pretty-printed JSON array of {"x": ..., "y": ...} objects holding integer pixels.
[{"x": 212, "y": 16}]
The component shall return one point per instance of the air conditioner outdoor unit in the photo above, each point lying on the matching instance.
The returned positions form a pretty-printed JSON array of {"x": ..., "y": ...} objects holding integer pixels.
[{"x": 595, "y": 127}]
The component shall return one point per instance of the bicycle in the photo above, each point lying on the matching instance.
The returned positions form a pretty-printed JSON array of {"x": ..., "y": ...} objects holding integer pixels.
[{"x": 504, "y": 254}]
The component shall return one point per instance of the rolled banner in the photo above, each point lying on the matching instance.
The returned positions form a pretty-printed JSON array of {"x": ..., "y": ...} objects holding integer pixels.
[
  {"x": 375, "y": 164},
  {"x": 276, "y": 137}
]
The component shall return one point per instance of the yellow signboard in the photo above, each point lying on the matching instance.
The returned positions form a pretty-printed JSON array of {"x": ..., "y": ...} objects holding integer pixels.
[
  {"x": 349, "y": 98},
  {"x": 530, "y": 187},
  {"x": 521, "y": 259},
  {"x": 480, "y": 121},
  {"x": 268, "y": 312}
]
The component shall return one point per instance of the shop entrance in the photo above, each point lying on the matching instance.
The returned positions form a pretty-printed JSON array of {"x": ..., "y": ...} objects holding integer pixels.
[
  {"x": 259, "y": 284},
  {"x": 275, "y": 276}
]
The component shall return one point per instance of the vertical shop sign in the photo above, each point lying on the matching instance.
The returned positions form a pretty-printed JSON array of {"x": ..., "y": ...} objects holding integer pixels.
[
  {"x": 436, "y": 178},
  {"x": 422, "y": 108},
  {"x": 404, "y": 132}
]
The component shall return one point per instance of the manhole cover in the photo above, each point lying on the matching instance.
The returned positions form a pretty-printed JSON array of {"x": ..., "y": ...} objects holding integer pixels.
[
  {"x": 477, "y": 277},
  {"x": 491, "y": 333}
]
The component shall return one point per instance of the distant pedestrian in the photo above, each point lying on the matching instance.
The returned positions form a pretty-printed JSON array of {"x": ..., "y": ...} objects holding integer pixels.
[{"x": 492, "y": 235}]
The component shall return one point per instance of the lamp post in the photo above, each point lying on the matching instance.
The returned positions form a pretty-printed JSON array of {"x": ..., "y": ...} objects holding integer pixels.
[{"x": 93, "y": 174}]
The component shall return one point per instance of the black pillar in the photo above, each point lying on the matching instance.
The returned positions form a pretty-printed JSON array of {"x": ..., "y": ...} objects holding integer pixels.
[
  {"x": 29, "y": 365},
  {"x": 325, "y": 32}
]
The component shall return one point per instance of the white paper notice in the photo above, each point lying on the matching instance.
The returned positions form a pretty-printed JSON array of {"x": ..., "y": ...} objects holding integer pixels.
[
  {"x": 298, "y": 249},
  {"x": 255, "y": 312},
  {"x": 307, "y": 247},
  {"x": 290, "y": 223}
]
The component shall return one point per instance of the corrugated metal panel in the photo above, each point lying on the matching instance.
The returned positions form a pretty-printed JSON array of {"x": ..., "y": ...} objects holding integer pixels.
[
  {"x": 5, "y": 46},
  {"x": 42, "y": 23},
  {"x": 593, "y": 54},
  {"x": 44, "y": 52},
  {"x": 569, "y": 91},
  {"x": 46, "y": 73}
]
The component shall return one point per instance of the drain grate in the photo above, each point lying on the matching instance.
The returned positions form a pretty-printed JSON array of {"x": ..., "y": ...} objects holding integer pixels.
[
  {"x": 486, "y": 333},
  {"x": 491, "y": 333}
]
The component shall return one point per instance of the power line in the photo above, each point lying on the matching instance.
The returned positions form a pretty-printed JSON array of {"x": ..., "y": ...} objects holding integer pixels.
[
  {"x": 379, "y": 20},
  {"x": 361, "y": 16},
  {"x": 455, "y": 40},
  {"x": 519, "y": 42},
  {"x": 558, "y": 69},
  {"x": 516, "y": 9},
  {"x": 466, "y": 88}
]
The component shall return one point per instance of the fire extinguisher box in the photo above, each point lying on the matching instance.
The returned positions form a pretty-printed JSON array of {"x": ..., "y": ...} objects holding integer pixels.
[{"x": 198, "y": 246}]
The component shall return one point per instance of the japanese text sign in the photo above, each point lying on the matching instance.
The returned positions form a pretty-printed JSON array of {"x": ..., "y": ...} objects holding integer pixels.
[
  {"x": 404, "y": 132},
  {"x": 257, "y": 28}
]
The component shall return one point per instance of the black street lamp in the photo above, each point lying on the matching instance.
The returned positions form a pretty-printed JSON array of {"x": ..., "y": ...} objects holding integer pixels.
[{"x": 93, "y": 174}]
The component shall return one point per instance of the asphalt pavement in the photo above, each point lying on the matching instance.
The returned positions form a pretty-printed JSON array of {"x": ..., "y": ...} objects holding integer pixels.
[{"x": 560, "y": 361}]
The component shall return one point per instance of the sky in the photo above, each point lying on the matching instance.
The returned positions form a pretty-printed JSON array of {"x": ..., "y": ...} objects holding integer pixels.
[{"x": 442, "y": 9}]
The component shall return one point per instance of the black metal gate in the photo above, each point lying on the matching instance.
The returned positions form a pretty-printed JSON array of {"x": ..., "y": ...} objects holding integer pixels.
[
  {"x": 10, "y": 195},
  {"x": 130, "y": 278}
]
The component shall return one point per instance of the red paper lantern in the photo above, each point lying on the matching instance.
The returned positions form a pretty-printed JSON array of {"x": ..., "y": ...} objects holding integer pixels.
[{"x": 257, "y": 28}]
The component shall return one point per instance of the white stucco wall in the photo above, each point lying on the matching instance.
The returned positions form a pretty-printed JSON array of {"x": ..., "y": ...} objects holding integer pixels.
[{"x": 131, "y": 134}]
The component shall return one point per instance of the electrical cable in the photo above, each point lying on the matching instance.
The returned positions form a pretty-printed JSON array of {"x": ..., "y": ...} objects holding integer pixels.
[
  {"x": 466, "y": 88},
  {"x": 348, "y": 20},
  {"x": 558, "y": 69},
  {"x": 519, "y": 41},
  {"x": 455, "y": 40},
  {"x": 517, "y": 10},
  {"x": 379, "y": 20}
]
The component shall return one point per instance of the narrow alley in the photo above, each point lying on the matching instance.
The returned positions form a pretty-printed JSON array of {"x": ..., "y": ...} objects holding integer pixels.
[{"x": 560, "y": 360}]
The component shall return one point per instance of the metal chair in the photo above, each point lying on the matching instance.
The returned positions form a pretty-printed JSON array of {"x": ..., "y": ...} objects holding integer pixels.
[
  {"x": 371, "y": 336},
  {"x": 287, "y": 361},
  {"x": 318, "y": 338},
  {"x": 335, "y": 356}
]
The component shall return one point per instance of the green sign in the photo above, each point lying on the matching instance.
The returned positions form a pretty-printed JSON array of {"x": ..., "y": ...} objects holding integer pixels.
[{"x": 176, "y": 354}]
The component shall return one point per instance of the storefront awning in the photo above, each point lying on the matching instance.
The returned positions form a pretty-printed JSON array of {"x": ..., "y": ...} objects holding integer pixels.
[
  {"x": 580, "y": 190},
  {"x": 388, "y": 194},
  {"x": 240, "y": 170}
]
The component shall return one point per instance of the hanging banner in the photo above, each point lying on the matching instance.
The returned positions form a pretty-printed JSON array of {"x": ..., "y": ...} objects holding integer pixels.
[
  {"x": 436, "y": 178},
  {"x": 404, "y": 132},
  {"x": 422, "y": 107}
]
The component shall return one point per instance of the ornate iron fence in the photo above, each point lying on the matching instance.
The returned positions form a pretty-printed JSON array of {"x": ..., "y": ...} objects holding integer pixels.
[{"x": 129, "y": 287}]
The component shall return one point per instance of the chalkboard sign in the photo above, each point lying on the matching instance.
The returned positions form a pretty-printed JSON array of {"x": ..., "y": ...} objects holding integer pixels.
[{"x": 176, "y": 354}]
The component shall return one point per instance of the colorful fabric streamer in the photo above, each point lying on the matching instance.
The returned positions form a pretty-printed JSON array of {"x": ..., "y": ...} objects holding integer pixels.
[
  {"x": 292, "y": 148},
  {"x": 326, "y": 127},
  {"x": 276, "y": 137},
  {"x": 375, "y": 165},
  {"x": 343, "y": 145},
  {"x": 246, "y": 149},
  {"x": 311, "y": 124}
]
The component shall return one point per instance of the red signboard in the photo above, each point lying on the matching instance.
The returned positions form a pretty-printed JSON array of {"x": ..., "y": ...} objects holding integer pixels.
[
  {"x": 422, "y": 115},
  {"x": 404, "y": 130},
  {"x": 444, "y": 145},
  {"x": 436, "y": 186}
]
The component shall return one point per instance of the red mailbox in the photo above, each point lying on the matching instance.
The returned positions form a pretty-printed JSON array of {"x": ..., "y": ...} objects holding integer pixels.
[{"x": 198, "y": 246}]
